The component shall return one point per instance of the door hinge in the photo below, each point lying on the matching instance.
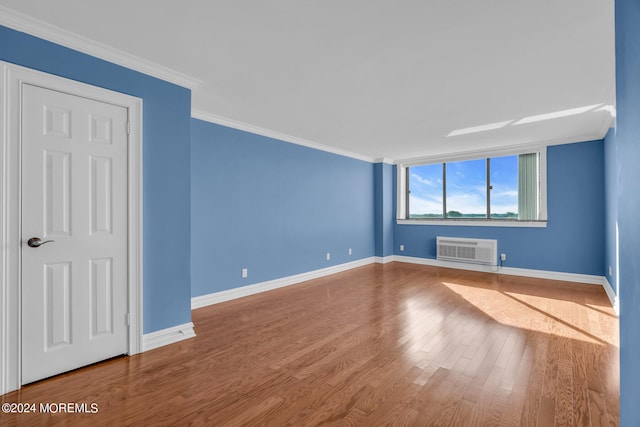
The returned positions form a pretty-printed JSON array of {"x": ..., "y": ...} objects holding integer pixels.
[
  {"x": 128, "y": 128},
  {"x": 128, "y": 319}
]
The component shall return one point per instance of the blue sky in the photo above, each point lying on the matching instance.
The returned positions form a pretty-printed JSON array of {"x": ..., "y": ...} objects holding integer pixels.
[{"x": 466, "y": 187}]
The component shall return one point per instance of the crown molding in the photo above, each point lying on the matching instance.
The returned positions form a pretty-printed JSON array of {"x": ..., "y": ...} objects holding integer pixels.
[
  {"x": 235, "y": 124},
  {"x": 532, "y": 145},
  {"x": 607, "y": 123},
  {"x": 384, "y": 160},
  {"x": 35, "y": 27}
]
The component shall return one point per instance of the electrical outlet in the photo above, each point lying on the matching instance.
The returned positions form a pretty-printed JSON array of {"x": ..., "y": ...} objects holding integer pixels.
[
  {"x": 503, "y": 257},
  {"x": 610, "y": 271},
  {"x": 401, "y": 248},
  {"x": 245, "y": 272},
  {"x": 350, "y": 252},
  {"x": 328, "y": 256}
]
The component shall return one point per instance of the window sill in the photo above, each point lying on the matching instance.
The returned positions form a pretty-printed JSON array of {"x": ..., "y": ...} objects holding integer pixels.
[{"x": 474, "y": 222}]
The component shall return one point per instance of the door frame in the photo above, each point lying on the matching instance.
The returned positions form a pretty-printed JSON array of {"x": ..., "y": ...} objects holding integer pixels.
[{"x": 13, "y": 77}]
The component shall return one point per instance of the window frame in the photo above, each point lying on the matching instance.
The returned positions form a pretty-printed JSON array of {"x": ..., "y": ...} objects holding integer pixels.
[{"x": 403, "y": 184}]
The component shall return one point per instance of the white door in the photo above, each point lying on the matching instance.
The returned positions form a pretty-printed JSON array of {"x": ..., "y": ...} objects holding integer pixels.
[{"x": 74, "y": 194}]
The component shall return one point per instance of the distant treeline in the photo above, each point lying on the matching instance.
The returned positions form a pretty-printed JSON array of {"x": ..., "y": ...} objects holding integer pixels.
[{"x": 456, "y": 214}]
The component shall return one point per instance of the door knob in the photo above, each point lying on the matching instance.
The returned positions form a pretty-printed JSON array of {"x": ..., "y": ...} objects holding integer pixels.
[{"x": 36, "y": 242}]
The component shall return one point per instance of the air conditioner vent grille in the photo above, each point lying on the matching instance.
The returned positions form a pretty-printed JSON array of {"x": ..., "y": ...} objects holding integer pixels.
[{"x": 480, "y": 251}]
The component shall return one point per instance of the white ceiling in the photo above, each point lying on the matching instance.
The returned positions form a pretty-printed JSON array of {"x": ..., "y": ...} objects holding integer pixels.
[{"x": 382, "y": 79}]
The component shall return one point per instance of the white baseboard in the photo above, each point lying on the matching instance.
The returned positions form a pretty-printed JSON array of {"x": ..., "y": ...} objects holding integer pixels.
[
  {"x": 540, "y": 274},
  {"x": 553, "y": 275},
  {"x": 222, "y": 296},
  {"x": 167, "y": 336},
  {"x": 384, "y": 260},
  {"x": 445, "y": 264},
  {"x": 524, "y": 272},
  {"x": 218, "y": 297},
  {"x": 615, "y": 303}
]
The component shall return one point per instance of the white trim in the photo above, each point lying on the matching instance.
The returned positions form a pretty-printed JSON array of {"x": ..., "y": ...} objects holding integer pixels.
[
  {"x": 384, "y": 160},
  {"x": 401, "y": 193},
  {"x": 525, "y": 147},
  {"x": 167, "y": 336},
  {"x": 512, "y": 271},
  {"x": 231, "y": 294},
  {"x": 552, "y": 275},
  {"x": 510, "y": 150},
  {"x": 542, "y": 184},
  {"x": 135, "y": 215},
  {"x": 10, "y": 211},
  {"x": 9, "y": 266},
  {"x": 21, "y": 22},
  {"x": 472, "y": 223},
  {"x": 607, "y": 123},
  {"x": 401, "y": 185},
  {"x": 235, "y": 124},
  {"x": 446, "y": 264},
  {"x": 613, "y": 298}
]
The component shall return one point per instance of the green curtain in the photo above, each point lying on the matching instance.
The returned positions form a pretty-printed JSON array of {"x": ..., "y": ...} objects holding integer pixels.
[{"x": 528, "y": 187}]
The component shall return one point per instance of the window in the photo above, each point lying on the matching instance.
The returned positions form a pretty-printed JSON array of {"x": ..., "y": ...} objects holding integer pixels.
[{"x": 502, "y": 188}]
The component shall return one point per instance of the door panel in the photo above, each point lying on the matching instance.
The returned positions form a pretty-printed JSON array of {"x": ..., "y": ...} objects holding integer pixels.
[
  {"x": 101, "y": 297},
  {"x": 57, "y": 193},
  {"x": 74, "y": 181},
  {"x": 101, "y": 197},
  {"x": 57, "y": 309}
]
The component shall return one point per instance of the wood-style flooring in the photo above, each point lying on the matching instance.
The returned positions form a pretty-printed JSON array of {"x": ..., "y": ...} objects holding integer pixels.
[{"x": 394, "y": 344}]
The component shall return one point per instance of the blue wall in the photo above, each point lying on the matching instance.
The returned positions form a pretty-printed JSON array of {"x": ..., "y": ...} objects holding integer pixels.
[
  {"x": 273, "y": 207},
  {"x": 166, "y": 157},
  {"x": 231, "y": 199},
  {"x": 572, "y": 242},
  {"x": 626, "y": 172},
  {"x": 611, "y": 162},
  {"x": 384, "y": 208}
]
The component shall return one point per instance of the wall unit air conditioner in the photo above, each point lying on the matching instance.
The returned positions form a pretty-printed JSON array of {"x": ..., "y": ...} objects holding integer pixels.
[{"x": 477, "y": 251}]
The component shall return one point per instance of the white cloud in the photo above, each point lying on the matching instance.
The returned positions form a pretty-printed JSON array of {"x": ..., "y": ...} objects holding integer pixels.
[
  {"x": 471, "y": 200},
  {"x": 466, "y": 203},
  {"x": 506, "y": 193},
  {"x": 422, "y": 206},
  {"x": 423, "y": 180}
]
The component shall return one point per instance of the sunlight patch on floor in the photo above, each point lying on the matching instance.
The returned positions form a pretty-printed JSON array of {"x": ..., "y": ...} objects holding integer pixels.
[{"x": 546, "y": 315}]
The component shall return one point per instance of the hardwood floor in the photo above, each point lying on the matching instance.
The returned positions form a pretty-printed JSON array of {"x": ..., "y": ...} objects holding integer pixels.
[{"x": 393, "y": 344}]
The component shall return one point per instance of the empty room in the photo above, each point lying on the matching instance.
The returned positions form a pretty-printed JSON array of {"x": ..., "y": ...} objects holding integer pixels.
[{"x": 320, "y": 213}]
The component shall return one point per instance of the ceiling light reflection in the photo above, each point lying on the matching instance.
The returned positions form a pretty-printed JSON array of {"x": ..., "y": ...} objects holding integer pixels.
[
  {"x": 538, "y": 118},
  {"x": 557, "y": 114},
  {"x": 480, "y": 128}
]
